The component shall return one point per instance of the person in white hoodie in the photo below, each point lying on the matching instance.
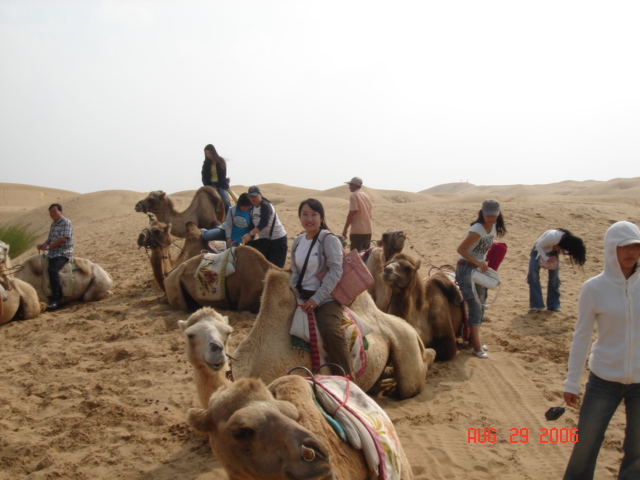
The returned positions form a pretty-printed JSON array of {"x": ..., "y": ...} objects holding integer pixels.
[{"x": 611, "y": 302}]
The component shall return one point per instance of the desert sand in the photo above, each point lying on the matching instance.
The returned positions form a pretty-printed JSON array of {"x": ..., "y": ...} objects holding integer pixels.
[{"x": 100, "y": 390}]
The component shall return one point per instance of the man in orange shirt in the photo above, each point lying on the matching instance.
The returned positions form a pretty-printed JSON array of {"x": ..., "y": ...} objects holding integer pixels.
[{"x": 359, "y": 218}]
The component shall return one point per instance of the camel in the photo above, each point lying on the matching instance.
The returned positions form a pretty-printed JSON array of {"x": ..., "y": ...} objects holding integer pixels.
[
  {"x": 157, "y": 237},
  {"x": 244, "y": 287},
  {"x": 432, "y": 306},
  {"x": 278, "y": 433},
  {"x": 206, "y": 210},
  {"x": 21, "y": 297},
  {"x": 206, "y": 333},
  {"x": 392, "y": 243},
  {"x": 90, "y": 281},
  {"x": 266, "y": 352}
]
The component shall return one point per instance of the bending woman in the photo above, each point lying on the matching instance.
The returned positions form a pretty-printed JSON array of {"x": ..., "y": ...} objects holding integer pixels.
[
  {"x": 473, "y": 254},
  {"x": 235, "y": 226},
  {"x": 550, "y": 244},
  {"x": 266, "y": 224},
  {"x": 611, "y": 303},
  {"x": 214, "y": 174},
  {"x": 315, "y": 251}
]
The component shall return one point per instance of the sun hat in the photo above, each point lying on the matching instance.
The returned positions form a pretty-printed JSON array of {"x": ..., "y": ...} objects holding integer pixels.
[
  {"x": 491, "y": 207},
  {"x": 254, "y": 191},
  {"x": 357, "y": 181}
]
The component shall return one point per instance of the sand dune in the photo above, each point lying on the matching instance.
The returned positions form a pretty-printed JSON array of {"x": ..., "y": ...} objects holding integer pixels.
[{"x": 100, "y": 390}]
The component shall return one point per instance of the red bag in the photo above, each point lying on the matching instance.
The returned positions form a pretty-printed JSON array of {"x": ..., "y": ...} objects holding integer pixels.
[{"x": 496, "y": 254}]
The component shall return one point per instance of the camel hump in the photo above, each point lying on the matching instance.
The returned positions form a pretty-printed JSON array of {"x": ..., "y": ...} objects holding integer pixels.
[
  {"x": 450, "y": 290},
  {"x": 83, "y": 265}
]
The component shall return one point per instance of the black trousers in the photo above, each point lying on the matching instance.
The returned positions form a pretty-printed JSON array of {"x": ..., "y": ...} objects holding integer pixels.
[{"x": 55, "y": 265}]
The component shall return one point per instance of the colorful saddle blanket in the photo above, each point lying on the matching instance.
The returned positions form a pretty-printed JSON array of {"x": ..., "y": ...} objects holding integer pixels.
[
  {"x": 211, "y": 275},
  {"x": 365, "y": 423},
  {"x": 305, "y": 336}
]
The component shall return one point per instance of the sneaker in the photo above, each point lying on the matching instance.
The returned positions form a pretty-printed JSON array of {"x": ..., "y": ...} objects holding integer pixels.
[
  {"x": 554, "y": 310},
  {"x": 484, "y": 347},
  {"x": 536, "y": 309},
  {"x": 480, "y": 354}
]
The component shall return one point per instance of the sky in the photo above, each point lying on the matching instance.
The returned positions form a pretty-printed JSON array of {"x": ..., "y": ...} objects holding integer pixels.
[{"x": 125, "y": 94}]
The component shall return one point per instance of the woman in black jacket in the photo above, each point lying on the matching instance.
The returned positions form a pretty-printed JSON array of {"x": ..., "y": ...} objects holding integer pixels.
[{"x": 214, "y": 174}]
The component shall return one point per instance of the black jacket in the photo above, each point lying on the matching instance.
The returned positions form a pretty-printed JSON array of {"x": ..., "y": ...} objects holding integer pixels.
[{"x": 222, "y": 175}]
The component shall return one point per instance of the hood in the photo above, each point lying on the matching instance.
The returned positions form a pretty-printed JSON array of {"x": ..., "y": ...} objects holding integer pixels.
[{"x": 616, "y": 233}]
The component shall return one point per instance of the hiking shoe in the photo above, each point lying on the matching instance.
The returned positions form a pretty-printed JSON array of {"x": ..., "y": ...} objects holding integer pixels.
[
  {"x": 482, "y": 354},
  {"x": 536, "y": 309}
]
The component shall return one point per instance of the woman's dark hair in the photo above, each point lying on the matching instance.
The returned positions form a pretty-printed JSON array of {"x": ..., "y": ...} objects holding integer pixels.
[
  {"x": 316, "y": 206},
  {"x": 574, "y": 247},
  {"x": 216, "y": 157},
  {"x": 501, "y": 230},
  {"x": 243, "y": 200}
]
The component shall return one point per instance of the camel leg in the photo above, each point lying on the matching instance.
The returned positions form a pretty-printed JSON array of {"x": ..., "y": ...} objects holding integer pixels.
[{"x": 409, "y": 375}]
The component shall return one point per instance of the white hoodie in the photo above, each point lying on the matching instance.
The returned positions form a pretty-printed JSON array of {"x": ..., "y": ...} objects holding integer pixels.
[{"x": 613, "y": 304}]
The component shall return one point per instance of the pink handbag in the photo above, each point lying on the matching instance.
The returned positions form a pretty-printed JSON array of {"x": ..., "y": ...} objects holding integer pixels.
[{"x": 356, "y": 278}]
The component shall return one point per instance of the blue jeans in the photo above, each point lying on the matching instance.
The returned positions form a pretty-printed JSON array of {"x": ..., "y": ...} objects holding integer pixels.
[
  {"x": 225, "y": 199},
  {"x": 601, "y": 400},
  {"x": 214, "y": 234},
  {"x": 476, "y": 310},
  {"x": 535, "y": 290}
]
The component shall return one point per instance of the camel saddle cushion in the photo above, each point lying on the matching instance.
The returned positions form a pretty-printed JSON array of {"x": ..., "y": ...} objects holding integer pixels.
[{"x": 211, "y": 275}]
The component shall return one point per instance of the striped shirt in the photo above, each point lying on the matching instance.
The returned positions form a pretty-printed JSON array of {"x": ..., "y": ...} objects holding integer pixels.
[{"x": 61, "y": 228}]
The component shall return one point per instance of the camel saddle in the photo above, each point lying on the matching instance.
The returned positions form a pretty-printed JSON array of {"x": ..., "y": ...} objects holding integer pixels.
[{"x": 211, "y": 275}]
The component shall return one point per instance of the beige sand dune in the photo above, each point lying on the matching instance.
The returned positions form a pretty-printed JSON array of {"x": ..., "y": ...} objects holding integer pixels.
[{"x": 100, "y": 390}]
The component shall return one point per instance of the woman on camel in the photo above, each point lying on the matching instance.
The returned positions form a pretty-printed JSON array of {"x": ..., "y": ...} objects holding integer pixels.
[
  {"x": 214, "y": 174},
  {"x": 317, "y": 251},
  {"x": 266, "y": 224},
  {"x": 473, "y": 254}
]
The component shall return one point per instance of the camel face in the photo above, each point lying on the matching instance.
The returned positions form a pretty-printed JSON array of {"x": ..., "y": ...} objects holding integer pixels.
[
  {"x": 206, "y": 334},
  {"x": 399, "y": 273},
  {"x": 393, "y": 239},
  {"x": 152, "y": 202},
  {"x": 155, "y": 235},
  {"x": 4, "y": 254},
  {"x": 255, "y": 436}
]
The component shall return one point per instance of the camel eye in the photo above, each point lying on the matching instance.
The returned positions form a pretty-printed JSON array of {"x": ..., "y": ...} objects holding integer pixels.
[
  {"x": 243, "y": 434},
  {"x": 191, "y": 336}
]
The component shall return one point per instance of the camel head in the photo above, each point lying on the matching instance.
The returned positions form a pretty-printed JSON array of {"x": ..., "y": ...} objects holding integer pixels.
[
  {"x": 156, "y": 235},
  {"x": 401, "y": 271},
  {"x": 156, "y": 200},
  {"x": 206, "y": 333},
  {"x": 4, "y": 256},
  {"x": 255, "y": 436},
  {"x": 392, "y": 241}
]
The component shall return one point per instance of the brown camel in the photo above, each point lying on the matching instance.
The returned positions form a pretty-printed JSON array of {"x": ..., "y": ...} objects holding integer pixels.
[
  {"x": 244, "y": 287},
  {"x": 391, "y": 243},
  {"x": 157, "y": 237},
  {"x": 206, "y": 210},
  {"x": 277, "y": 433},
  {"x": 267, "y": 353},
  {"x": 21, "y": 297},
  {"x": 206, "y": 333},
  {"x": 433, "y": 306}
]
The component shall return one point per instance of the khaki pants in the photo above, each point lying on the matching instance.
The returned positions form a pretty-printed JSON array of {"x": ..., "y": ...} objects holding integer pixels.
[{"x": 329, "y": 320}]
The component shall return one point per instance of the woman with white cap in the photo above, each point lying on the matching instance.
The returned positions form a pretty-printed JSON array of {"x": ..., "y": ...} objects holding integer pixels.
[
  {"x": 473, "y": 255},
  {"x": 266, "y": 224},
  {"x": 610, "y": 302}
]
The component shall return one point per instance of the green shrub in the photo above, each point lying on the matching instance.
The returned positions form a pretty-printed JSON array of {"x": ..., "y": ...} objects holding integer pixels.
[{"x": 19, "y": 238}]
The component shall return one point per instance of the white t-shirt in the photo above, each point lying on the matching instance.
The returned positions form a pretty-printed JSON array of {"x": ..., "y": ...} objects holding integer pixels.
[
  {"x": 310, "y": 281},
  {"x": 481, "y": 246}
]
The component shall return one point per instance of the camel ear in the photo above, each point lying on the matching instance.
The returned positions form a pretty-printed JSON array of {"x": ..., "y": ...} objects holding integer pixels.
[
  {"x": 418, "y": 263},
  {"x": 288, "y": 409},
  {"x": 200, "y": 420},
  {"x": 183, "y": 324},
  {"x": 167, "y": 229}
]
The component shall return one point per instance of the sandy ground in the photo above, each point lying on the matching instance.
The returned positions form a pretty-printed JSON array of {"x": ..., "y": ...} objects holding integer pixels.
[{"x": 100, "y": 390}]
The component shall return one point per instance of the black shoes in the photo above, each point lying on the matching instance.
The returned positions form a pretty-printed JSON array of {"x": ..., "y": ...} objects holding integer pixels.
[{"x": 54, "y": 305}]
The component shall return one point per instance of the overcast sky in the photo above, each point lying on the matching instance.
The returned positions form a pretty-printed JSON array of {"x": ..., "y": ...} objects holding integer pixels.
[{"x": 102, "y": 95}]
